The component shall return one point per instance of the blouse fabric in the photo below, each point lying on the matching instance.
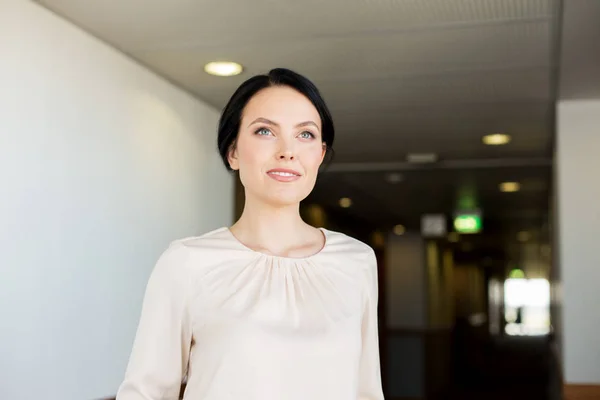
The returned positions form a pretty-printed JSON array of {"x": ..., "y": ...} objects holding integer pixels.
[{"x": 240, "y": 324}]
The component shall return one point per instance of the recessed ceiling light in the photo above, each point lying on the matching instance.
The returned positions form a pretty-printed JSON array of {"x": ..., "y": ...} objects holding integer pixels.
[
  {"x": 345, "y": 202},
  {"x": 509, "y": 187},
  {"x": 496, "y": 139},
  {"x": 394, "y": 177},
  {"x": 378, "y": 239},
  {"x": 223, "y": 68},
  {"x": 399, "y": 230},
  {"x": 422, "y": 158}
]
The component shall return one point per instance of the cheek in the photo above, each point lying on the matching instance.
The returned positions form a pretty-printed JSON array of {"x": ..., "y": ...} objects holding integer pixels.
[
  {"x": 311, "y": 157},
  {"x": 252, "y": 156}
]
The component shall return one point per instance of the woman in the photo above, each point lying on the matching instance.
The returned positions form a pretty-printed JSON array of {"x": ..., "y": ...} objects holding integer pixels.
[{"x": 270, "y": 308}]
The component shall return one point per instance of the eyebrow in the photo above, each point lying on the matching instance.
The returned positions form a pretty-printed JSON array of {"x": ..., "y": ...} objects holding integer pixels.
[{"x": 269, "y": 122}]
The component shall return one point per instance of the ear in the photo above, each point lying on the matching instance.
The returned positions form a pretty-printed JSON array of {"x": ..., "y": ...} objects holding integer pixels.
[
  {"x": 232, "y": 157},
  {"x": 324, "y": 152}
]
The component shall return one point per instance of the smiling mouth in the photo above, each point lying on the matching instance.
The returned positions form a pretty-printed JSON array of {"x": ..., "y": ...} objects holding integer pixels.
[{"x": 284, "y": 175}]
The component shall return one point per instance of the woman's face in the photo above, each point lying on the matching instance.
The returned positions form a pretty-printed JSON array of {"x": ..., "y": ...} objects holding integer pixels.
[{"x": 279, "y": 147}]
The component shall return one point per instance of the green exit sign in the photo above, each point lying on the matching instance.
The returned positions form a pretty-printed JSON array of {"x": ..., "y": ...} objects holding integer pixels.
[{"x": 467, "y": 223}]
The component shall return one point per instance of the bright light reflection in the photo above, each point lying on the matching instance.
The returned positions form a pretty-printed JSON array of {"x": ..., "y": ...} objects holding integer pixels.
[{"x": 532, "y": 298}]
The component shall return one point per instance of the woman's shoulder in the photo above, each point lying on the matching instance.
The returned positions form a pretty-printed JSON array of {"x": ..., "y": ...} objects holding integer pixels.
[
  {"x": 343, "y": 243},
  {"x": 210, "y": 245},
  {"x": 214, "y": 239}
]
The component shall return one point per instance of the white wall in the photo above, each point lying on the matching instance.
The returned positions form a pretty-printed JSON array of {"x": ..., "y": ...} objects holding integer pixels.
[
  {"x": 578, "y": 178},
  {"x": 102, "y": 164}
]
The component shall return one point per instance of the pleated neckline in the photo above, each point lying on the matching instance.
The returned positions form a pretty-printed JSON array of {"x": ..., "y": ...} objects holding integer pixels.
[{"x": 278, "y": 257}]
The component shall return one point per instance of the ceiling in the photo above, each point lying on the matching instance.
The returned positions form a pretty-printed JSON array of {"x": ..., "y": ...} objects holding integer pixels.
[{"x": 400, "y": 76}]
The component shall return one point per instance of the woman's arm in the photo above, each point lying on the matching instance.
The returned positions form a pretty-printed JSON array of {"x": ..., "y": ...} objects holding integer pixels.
[
  {"x": 370, "y": 370},
  {"x": 160, "y": 352}
]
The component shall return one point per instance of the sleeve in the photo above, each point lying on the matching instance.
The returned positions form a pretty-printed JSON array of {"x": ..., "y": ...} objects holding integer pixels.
[
  {"x": 159, "y": 357},
  {"x": 370, "y": 387}
]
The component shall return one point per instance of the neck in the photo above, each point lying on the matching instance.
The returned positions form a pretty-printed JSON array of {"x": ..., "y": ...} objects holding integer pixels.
[{"x": 273, "y": 228}]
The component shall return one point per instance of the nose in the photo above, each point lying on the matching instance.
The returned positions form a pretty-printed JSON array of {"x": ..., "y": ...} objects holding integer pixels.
[{"x": 285, "y": 152}]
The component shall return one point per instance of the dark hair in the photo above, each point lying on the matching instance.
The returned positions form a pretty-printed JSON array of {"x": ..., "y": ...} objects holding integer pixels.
[{"x": 229, "y": 123}]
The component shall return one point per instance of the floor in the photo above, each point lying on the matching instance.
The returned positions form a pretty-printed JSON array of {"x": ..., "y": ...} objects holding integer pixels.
[{"x": 510, "y": 369}]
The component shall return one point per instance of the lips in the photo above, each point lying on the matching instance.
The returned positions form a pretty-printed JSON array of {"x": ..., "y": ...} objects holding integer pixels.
[
  {"x": 284, "y": 172},
  {"x": 284, "y": 175}
]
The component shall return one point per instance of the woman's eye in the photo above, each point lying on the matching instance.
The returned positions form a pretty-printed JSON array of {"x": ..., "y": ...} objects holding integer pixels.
[
  {"x": 307, "y": 135},
  {"x": 263, "y": 132}
]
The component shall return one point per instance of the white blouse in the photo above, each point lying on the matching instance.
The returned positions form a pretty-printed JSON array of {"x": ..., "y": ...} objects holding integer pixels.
[{"x": 240, "y": 324}]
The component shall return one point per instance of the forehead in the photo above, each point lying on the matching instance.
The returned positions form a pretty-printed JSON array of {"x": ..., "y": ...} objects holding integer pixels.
[{"x": 281, "y": 104}]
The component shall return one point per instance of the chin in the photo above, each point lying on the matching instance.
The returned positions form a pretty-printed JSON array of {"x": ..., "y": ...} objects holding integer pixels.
[{"x": 286, "y": 199}]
